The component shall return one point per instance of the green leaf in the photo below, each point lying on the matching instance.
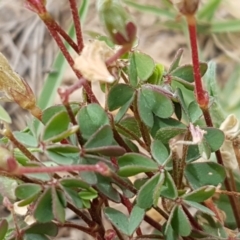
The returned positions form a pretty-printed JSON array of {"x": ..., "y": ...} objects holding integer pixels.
[
  {"x": 63, "y": 154},
  {"x": 159, "y": 152},
  {"x": 43, "y": 208},
  {"x": 3, "y": 228},
  {"x": 144, "y": 65},
  {"x": 4, "y": 116},
  {"x": 201, "y": 174},
  {"x": 122, "y": 111},
  {"x": 131, "y": 125},
  {"x": 27, "y": 190},
  {"x": 104, "y": 185},
  {"x": 200, "y": 194},
  {"x": 57, "y": 207},
  {"x": 185, "y": 72},
  {"x": 169, "y": 189},
  {"x": 199, "y": 207},
  {"x": 74, "y": 183},
  {"x": 91, "y": 118},
  {"x": 214, "y": 138},
  {"x": 107, "y": 151},
  {"x": 144, "y": 110},
  {"x": 183, "y": 104},
  {"x": 55, "y": 126},
  {"x": 73, "y": 195},
  {"x": 26, "y": 139},
  {"x": 102, "y": 137},
  {"x": 118, "y": 219},
  {"x": 145, "y": 197},
  {"x": 228, "y": 26},
  {"x": 119, "y": 95},
  {"x": 208, "y": 10},
  {"x": 121, "y": 222},
  {"x": 160, "y": 105},
  {"x": 136, "y": 217},
  {"x": 145, "y": 8},
  {"x": 49, "y": 229},
  {"x": 176, "y": 61},
  {"x": 194, "y": 111},
  {"x": 180, "y": 222},
  {"x": 132, "y": 163},
  {"x": 193, "y": 153},
  {"x": 132, "y": 71},
  {"x": 157, "y": 75},
  {"x": 88, "y": 195},
  {"x": 165, "y": 134}
]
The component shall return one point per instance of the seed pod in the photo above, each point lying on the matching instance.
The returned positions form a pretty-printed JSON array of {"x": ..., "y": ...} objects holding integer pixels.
[{"x": 116, "y": 21}]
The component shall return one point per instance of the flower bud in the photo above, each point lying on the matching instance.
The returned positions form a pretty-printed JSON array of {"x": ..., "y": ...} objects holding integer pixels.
[
  {"x": 117, "y": 21},
  {"x": 16, "y": 89},
  {"x": 187, "y": 7}
]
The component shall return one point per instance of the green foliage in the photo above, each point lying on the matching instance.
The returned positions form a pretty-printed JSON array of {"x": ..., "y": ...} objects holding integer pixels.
[{"x": 147, "y": 148}]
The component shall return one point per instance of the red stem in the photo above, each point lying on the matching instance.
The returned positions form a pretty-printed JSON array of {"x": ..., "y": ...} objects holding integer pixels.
[
  {"x": 77, "y": 24},
  {"x": 201, "y": 94}
]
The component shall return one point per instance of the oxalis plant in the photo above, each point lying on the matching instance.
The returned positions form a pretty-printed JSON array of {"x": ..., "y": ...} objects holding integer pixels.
[{"x": 158, "y": 160}]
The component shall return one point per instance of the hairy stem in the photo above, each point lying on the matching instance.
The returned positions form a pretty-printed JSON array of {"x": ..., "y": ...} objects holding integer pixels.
[{"x": 77, "y": 24}]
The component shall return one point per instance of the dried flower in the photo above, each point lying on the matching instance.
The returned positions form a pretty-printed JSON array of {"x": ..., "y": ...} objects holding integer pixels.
[
  {"x": 16, "y": 89},
  {"x": 91, "y": 62},
  {"x": 231, "y": 129}
]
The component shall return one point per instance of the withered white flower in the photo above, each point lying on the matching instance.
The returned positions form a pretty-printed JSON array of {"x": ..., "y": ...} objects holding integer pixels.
[
  {"x": 23, "y": 211},
  {"x": 91, "y": 62},
  {"x": 231, "y": 129}
]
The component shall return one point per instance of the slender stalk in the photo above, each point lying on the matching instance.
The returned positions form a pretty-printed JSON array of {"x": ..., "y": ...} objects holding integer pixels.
[
  {"x": 7, "y": 133},
  {"x": 135, "y": 137},
  {"x": 99, "y": 168},
  {"x": 192, "y": 220},
  {"x": 82, "y": 215},
  {"x": 77, "y": 24},
  {"x": 153, "y": 223},
  {"x": 89, "y": 231},
  {"x": 71, "y": 115},
  {"x": 201, "y": 95},
  {"x": 123, "y": 183},
  {"x": 182, "y": 162},
  {"x": 118, "y": 54}
]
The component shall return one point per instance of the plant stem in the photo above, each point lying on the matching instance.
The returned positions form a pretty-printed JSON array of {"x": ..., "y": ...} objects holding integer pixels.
[
  {"x": 89, "y": 231},
  {"x": 77, "y": 24},
  {"x": 118, "y": 54},
  {"x": 133, "y": 135},
  {"x": 49, "y": 22},
  {"x": 7, "y": 133},
  {"x": 71, "y": 115},
  {"x": 203, "y": 101},
  {"x": 201, "y": 95},
  {"x": 153, "y": 223},
  {"x": 99, "y": 168},
  {"x": 123, "y": 183},
  {"x": 81, "y": 215},
  {"x": 192, "y": 219}
]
